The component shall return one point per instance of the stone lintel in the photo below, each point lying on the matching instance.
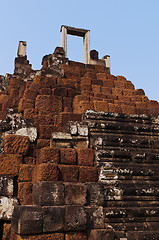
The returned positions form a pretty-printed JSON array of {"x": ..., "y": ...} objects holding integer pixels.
[{"x": 75, "y": 31}]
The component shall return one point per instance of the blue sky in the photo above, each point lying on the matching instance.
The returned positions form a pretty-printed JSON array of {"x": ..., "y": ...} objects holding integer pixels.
[{"x": 127, "y": 30}]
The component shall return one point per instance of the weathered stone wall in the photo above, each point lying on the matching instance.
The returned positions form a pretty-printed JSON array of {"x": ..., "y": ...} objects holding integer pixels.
[{"x": 75, "y": 176}]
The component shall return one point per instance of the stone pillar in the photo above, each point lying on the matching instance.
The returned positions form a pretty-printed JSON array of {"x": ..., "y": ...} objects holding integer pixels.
[
  {"x": 107, "y": 61},
  {"x": 64, "y": 39},
  {"x": 86, "y": 42},
  {"x": 22, "y": 49}
]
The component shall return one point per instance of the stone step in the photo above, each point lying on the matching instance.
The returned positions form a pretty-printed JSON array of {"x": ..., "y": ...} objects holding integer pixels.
[
  {"x": 92, "y": 115},
  {"x": 122, "y": 171},
  {"x": 121, "y": 153},
  {"x": 131, "y": 214},
  {"x": 137, "y": 184},
  {"x": 133, "y": 226},
  {"x": 123, "y": 127},
  {"x": 145, "y": 191},
  {"x": 112, "y": 156},
  {"x": 118, "y": 196},
  {"x": 150, "y": 235},
  {"x": 132, "y": 150},
  {"x": 131, "y": 203},
  {"x": 129, "y": 141}
]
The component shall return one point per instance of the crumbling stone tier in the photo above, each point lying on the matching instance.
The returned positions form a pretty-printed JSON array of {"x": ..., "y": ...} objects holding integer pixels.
[{"x": 79, "y": 153}]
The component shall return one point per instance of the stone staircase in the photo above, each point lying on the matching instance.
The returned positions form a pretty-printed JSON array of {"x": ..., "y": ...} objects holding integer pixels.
[{"x": 127, "y": 155}]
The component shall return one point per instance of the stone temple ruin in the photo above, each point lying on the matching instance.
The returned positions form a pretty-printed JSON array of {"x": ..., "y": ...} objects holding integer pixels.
[{"x": 79, "y": 151}]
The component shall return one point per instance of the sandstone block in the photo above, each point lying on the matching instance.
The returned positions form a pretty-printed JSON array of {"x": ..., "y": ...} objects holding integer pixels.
[
  {"x": 16, "y": 144},
  {"x": 25, "y": 193},
  {"x": 69, "y": 69},
  {"x": 83, "y": 106},
  {"x": 9, "y": 164},
  {"x": 79, "y": 98},
  {"x": 106, "y": 90},
  {"x": 86, "y": 88},
  {"x": 96, "y": 193},
  {"x": 119, "y": 84},
  {"x": 77, "y": 64},
  {"x": 25, "y": 173},
  {"x": 97, "y": 82},
  {"x": 130, "y": 85},
  {"x": 44, "y": 82},
  {"x": 41, "y": 143},
  {"x": 128, "y": 92},
  {"x": 48, "y": 82},
  {"x": 72, "y": 92},
  {"x": 145, "y": 99},
  {"x": 67, "y": 104},
  {"x": 114, "y": 108},
  {"x": 121, "y": 78},
  {"x": 63, "y": 118},
  {"x": 70, "y": 81},
  {"x": 43, "y": 120},
  {"x": 108, "y": 83},
  {"x": 53, "y": 219},
  {"x": 96, "y": 88},
  {"x": 25, "y": 104},
  {"x": 100, "y": 68},
  {"x": 46, "y": 130},
  {"x": 48, "y": 193},
  {"x": 68, "y": 156},
  {"x": 27, "y": 220},
  {"x": 88, "y": 174},
  {"x": 78, "y": 128},
  {"x": 37, "y": 79},
  {"x": 75, "y": 194},
  {"x": 95, "y": 217},
  {"x": 124, "y": 99},
  {"x": 48, "y": 103},
  {"x": 139, "y": 92},
  {"x": 128, "y": 109},
  {"x": 52, "y": 236},
  {"x": 46, "y": 172},
  {"x": 89, "y": 67},
  {"x": 100, "y": 106},
  {"x": 60, "y": 91},
  {"x": 154, "y": 111},
  {"x": 30, "y": 94},
  {"x": 117, "y": 91},
  {"x": 49, "y": 155},
  {"x": 29, "y": 113},
  {"x": 153, "y": 103},
  {"x": 136, "y": 98},
  {"x": 45, "y": 91},
  {"x": 29, "y": 160},
  {"x": 75, "y": 218},
  {"x": 101, "y": 76},
  {"x": 90, "y": 75},
  {"x": 85, "y": 157},
  {"x": 75, "y": 236},
  {"x": 68, "y": 173},
  {"x": 85, "y": 81},
  {"x": 101, "y": 234}
]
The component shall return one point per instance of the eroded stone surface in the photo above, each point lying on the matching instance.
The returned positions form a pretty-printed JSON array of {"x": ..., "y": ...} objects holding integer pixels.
[
  {"x": 6, "y": 186},
  {"x": 31, "y": 132},
  {"x": 6, "y": 207}
]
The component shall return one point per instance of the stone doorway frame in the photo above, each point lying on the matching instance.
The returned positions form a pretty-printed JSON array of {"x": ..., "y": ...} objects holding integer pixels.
[{"x": 76, "y": 32}]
